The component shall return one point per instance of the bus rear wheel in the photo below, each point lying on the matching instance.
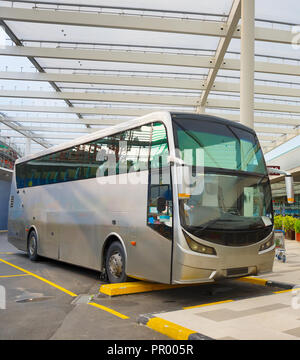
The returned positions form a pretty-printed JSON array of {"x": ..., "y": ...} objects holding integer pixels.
[
  {"x": 115, "y": 263},
  {"x": 32, "y": 246}
]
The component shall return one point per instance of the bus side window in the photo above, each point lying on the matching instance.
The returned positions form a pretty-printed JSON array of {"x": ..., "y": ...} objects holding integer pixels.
[
  {"x": 138, "y": 142},
  {"x": 159, "y": 146}
]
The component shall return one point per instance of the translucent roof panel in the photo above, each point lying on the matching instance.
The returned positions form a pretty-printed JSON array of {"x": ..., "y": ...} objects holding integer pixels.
[
  {"x": 150, "y": 81},
  {"x": 94, "y": 35},
  {"x": 278, "y": 11},
  {"x": 210, "y": 9},
  {"x": 117, "y": 66}
]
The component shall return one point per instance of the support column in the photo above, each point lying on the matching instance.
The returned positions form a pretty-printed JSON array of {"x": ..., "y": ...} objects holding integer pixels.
[
  {"x": 247, "y": 63},
  {"x": 200, "y": 110},
  {"x": 28, "y": 146}
]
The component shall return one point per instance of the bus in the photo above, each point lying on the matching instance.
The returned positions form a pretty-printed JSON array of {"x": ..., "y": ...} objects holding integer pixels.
[{"x": 173, "y": 198}]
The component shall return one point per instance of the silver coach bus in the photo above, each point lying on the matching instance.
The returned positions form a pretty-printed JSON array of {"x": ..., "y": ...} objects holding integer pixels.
[{"x": 113, "y": 201}]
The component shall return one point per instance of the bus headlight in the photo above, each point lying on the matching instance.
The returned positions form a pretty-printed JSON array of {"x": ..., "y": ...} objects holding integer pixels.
[
  {"x": 267, "y": 244},
  {"x": 200, "y": 248}
]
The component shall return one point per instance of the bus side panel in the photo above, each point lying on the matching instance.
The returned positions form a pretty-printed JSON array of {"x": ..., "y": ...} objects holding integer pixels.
[
  {"x": 78, "y": 242},
  {"x": 73, "y": 220}
]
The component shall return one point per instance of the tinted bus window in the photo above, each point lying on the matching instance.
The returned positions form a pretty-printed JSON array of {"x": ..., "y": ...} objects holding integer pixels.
[{"x": 115, "y": 154}]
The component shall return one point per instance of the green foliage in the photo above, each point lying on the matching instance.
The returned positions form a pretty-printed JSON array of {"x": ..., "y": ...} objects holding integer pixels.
[
  {"x": 288, "y": 223},
  {"x": 278, "y": 222},
  {"x": 297, "y": 226}
]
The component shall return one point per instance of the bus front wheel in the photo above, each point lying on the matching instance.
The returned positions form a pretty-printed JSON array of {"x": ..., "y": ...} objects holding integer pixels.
[{"x": 115, "y": 263}]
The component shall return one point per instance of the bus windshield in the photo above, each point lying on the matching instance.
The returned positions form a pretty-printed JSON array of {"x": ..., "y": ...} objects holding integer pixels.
[{"x": 235, "y": 191}]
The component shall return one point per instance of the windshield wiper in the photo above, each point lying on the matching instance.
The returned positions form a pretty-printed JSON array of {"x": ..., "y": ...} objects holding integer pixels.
[{"x": 211, "y": 222}]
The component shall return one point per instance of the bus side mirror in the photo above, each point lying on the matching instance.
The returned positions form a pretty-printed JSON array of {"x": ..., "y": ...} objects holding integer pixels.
[
  {"x": 161, "y": 204},
  {"x": 289, "y": 184}
]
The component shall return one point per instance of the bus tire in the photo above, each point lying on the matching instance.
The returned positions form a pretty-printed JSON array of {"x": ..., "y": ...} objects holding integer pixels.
[
  {"x": 32, "y": 246},
  {"x": 115, "y": 263}
]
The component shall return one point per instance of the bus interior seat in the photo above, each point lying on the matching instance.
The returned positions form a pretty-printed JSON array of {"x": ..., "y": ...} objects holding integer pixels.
[
  {"x": 88, "y": 171},
  {"x": 55, "y": 177},
  {"x": 66, "y": 176},
  {"x": 76, "y": 177}
]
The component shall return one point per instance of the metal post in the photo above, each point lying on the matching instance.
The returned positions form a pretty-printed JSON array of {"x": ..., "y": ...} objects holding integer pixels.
[
  {"x": 247, "y": 63},
  {"x": 28, "y": 146}
]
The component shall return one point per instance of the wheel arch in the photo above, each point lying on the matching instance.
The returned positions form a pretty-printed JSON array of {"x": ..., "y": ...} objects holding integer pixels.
[
  {"x": 30, "y": 229},
  {"x": 110, "y": 238}
]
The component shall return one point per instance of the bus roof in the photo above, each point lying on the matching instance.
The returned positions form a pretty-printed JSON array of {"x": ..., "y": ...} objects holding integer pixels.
[{"x": 207, "y": 117}]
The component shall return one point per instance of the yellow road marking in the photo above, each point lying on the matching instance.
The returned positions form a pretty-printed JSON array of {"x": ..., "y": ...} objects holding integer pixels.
[
  {"x": 285, "y": 291},
  {"x": 169, "y": 328},
  {"x": 253, "y": 280},
  {"x": 40, "y": 278},
  {"x": 10, "y": 276},
  {"x": 209, "y": 304},
  {"x": 6, "y": 253},
  {"x": 62, "y": 289},
  {"x": 111, "y": 311}
]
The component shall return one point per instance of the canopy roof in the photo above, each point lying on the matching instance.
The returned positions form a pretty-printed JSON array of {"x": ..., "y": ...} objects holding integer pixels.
[{"x": 69, "y": 67}]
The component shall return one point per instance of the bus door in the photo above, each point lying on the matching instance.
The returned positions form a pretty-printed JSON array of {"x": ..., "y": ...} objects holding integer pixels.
[{"x": 151, "y": 258}]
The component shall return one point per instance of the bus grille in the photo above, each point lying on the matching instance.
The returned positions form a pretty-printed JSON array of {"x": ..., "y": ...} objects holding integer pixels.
[
  {"x": 237, "y": 271},
  {"x": 232, "y": 237}
]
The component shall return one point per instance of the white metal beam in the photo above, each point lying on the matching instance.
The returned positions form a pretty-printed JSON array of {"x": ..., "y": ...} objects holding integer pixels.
[
  {"x": 263, "y": 119},
  {"x": 258, "y": 89},
  {"x": 184, "y": 101},
  {"x": 28, "y": 146},
  {"x": 132, "y": 112},
  {"x": 19, "y": 129},
  {"x": 47, "y": 129},
  {"x": 104, "y": 97},
  {"x": 82, "y": 110},
  {"x": 90, "y": 130},
  {"x": 145, "y": 58},
  {"x": 160, "y": 82},
  {"x": 138, "y": 22},
  {"x": 59, "y": 120},
  {"x": 46, "y": 136},
  {"x": 258, "y": 106},
  {"x": 232, "y": 22},
  {"x": 274, "y": 130},
  {"x": 283, "y": 139},
  {"x": 156, "y": 82},
  {"x": 267, "y": 137},
  {"x": 67, "y": 136}
]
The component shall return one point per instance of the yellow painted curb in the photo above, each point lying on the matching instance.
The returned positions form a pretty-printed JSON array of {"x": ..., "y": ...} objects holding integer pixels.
[
  {"x": 136, "y": 287},
  {"x": 253, "y": 280},
  {"x": 285, "y": 291},
  {"x": 169, "y": 329}
]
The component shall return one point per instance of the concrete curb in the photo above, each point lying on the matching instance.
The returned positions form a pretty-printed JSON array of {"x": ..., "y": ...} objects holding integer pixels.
[
  {"x": 281, "y": 285},
  {"x": 169, "y": 328},
  {"x": 270, "y": 283}
]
